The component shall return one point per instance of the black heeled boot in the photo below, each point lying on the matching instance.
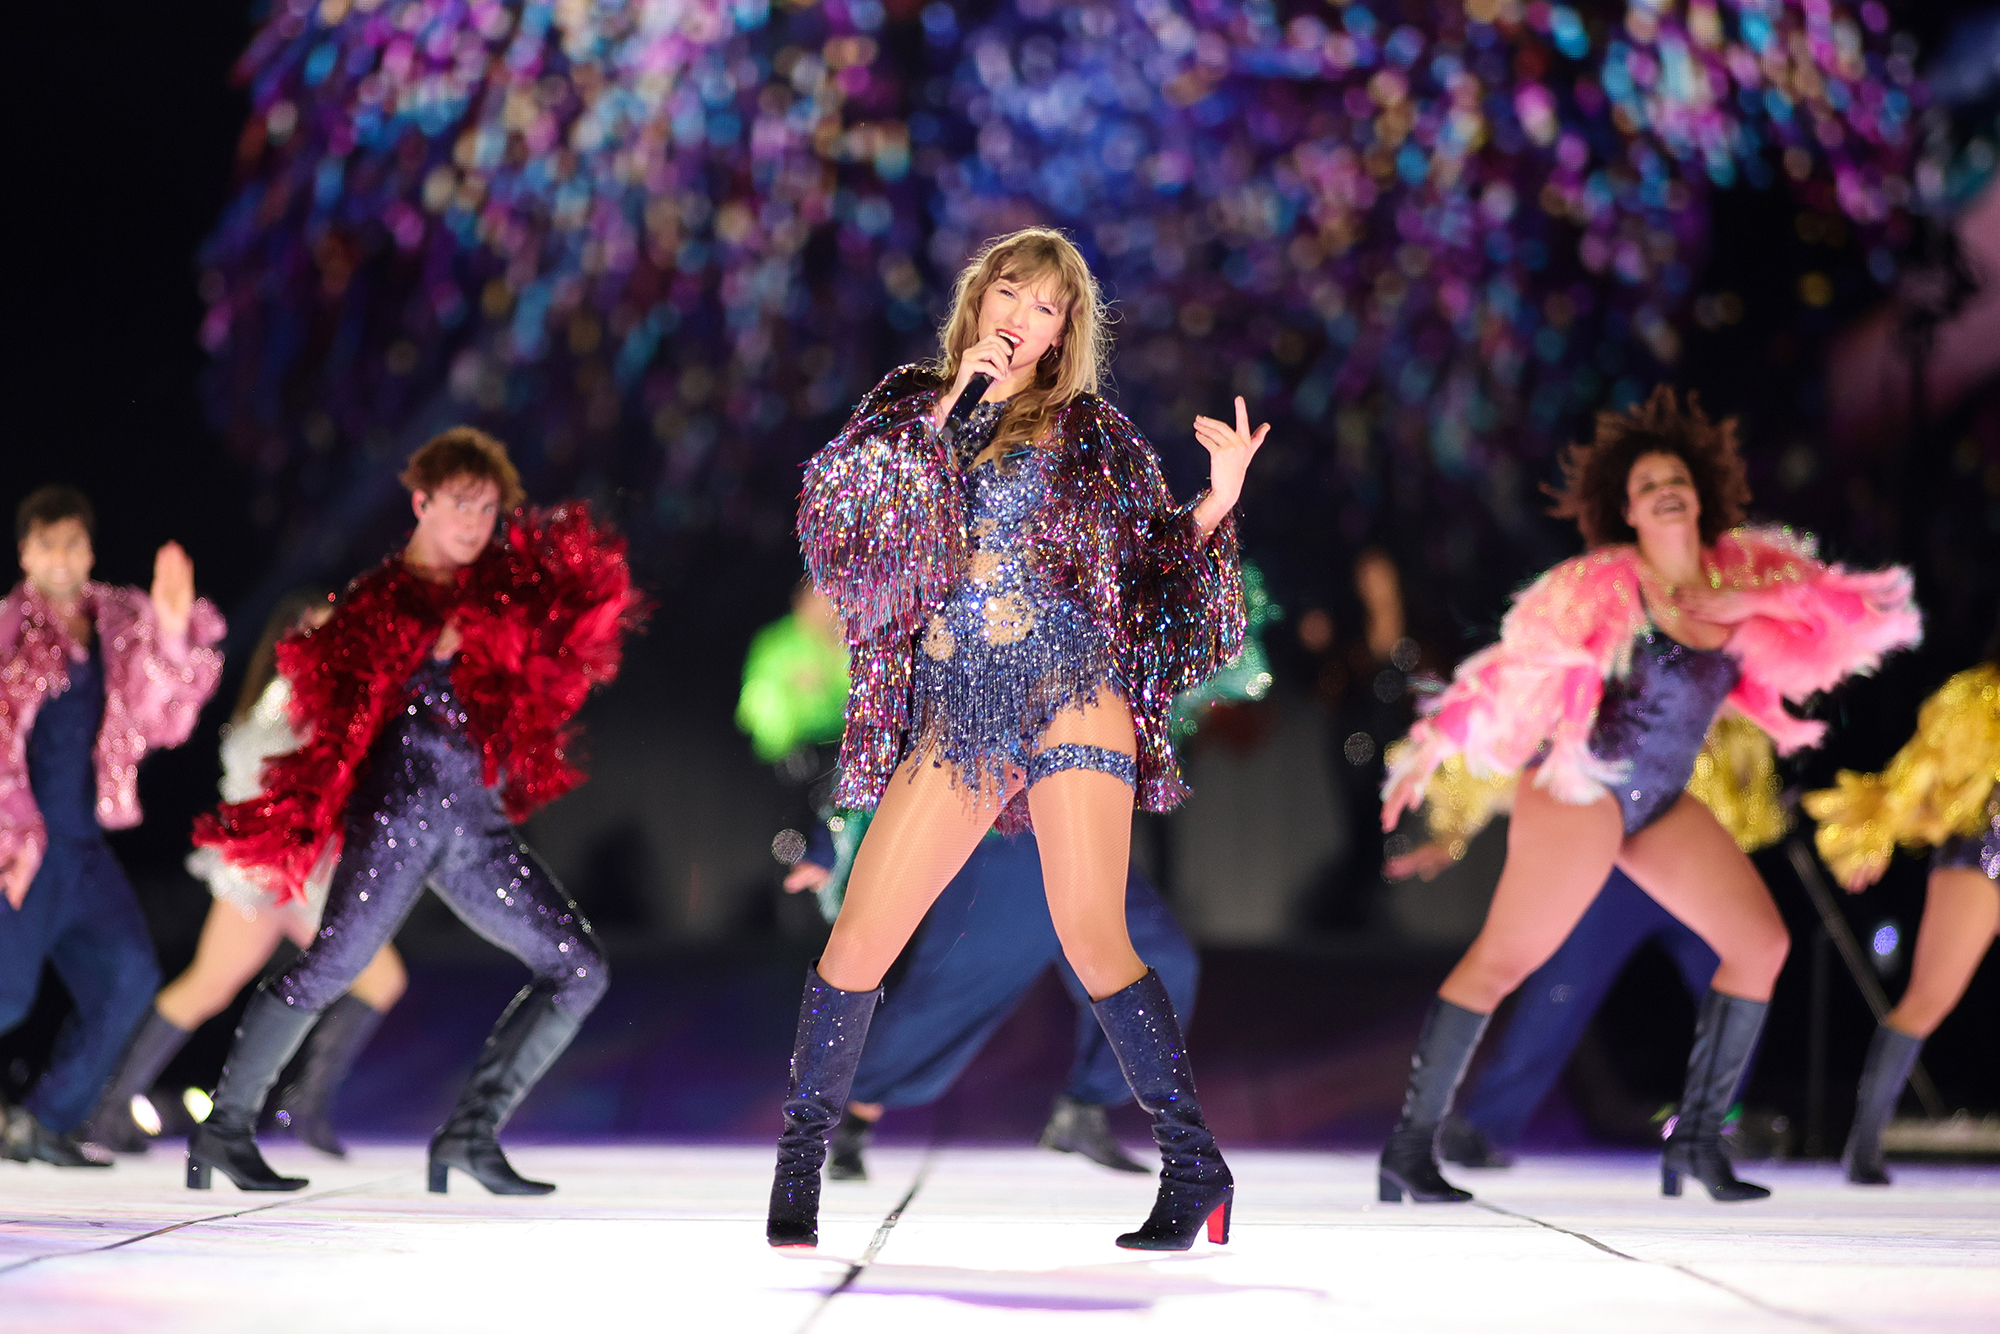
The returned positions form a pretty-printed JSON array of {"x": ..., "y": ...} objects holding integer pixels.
[
  {"x": 24, "y": 1139},
  {"x": 843, "y": 1152},
  {"x": 1083, "y": 1127},
  {"x": 1195, "y": 1184},
  {"x": 833, "y": 1027},
  {"x": 1409, "y": 1163},
  {"x": 1890, "y": 1056},
  {"x": 1725, "y": 1033},
  {"x": 329, "y": 1052},
  {"x": 111, "y": 1125},
  {"x": 227, "y": 1141},
  {"x": 532, "y": 1032}
]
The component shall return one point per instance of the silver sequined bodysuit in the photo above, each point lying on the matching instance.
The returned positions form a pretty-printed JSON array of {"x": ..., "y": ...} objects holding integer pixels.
[{"x": 1007, "y": 651}]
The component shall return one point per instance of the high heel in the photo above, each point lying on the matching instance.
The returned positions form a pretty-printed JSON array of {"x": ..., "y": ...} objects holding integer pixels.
[
  {"x": 111, "y": 1125},
  {"x": 1409, "y": 1163},
  {"x": 833, "y": 1027},
  {"x": 304, "y": 1100},
  {"x": 1890, "y": 1055},
  {"x": 1196, "y": 1187},
  {"x": 271, "y": 1031},
  {"x": 1725, "y": 1034},
  {"x": 531, "y": 1033}
]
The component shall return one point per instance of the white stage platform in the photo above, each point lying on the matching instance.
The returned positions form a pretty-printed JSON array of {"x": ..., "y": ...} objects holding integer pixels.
[{"x": 670, "y": 1238}]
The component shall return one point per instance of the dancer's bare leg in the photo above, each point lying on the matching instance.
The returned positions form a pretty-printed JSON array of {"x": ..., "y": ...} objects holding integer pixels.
[
  {"x": 1961, "y": 917},
  {"x": 1691, "y": 867},
  {"x": 230, "y": 952},
  {"x": 1558, "y": 856},
  {"x": 924, "y": 830},
  {"x": 1083, "y": 822}
]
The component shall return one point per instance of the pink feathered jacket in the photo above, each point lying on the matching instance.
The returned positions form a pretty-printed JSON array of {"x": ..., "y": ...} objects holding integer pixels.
[
  {"x": 153, "y": 692},
  {"x": 1801, "y": 626}
]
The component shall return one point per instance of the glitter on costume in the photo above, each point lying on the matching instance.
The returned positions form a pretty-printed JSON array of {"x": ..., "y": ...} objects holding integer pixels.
[
  {"x": 883, "y": 521},
  {"x": 552, "y": 592}
]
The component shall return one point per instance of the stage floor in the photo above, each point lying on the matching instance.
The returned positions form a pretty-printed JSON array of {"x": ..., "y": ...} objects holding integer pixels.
[{"x": 972, "y": 1239}]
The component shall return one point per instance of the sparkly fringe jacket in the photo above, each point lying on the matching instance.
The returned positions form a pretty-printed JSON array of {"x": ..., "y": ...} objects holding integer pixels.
[
  {"x": 1936, "y": 788},
  {"x": 153, "y": 693},
  {"x": 542, "y": 616},
  {"x": 1801, "y": 626},
  {"x": 882, "y": 526}
]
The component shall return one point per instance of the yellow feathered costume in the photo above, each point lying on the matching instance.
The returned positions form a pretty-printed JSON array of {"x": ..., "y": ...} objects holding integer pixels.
[{"x": 1935, "y": 789}]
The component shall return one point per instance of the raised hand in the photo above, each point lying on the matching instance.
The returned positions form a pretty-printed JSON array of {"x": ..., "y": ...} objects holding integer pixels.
[
  {"x": 173, "y": 590},
  {"x": 991, "y": 356},
  {"x": 1406, "y": 795},
  {"x": 1230, "y": 449}
]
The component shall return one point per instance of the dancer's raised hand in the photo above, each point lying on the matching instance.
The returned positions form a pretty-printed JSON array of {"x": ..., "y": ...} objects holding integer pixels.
[{"x": 173, "y": 590}]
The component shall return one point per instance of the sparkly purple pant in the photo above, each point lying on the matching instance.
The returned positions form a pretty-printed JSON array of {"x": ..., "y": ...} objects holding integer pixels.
[{"x": 422, "y": 815}]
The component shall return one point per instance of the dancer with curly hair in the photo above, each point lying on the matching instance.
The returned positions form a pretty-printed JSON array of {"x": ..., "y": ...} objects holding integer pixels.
[
  {"x": 1609, "y": 670},
  {"x": 1023, "y": 600},
  {"x": 1941, "y": 791},
  {"x": 436, "y": 704},
  {"x": 243, "y": 928}
]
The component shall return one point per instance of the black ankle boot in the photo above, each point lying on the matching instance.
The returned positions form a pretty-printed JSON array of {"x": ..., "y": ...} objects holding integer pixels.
[
  {"x": 1083, "y": 1127},
  {"x": 322, "y": 1063},
  {"x": 1459, "y": 1141},
  {"x": 271, "y": 1031},
  {"x": 1409, "y": 1160},
  {"x": 843, "y": 1151},
  {"x": 1890, "y": 1056},
  {"x": 24, "y": 1139},
  {"x": 111, "y": 1125},
  {"x": 833, "y": 1027},
  {"x": 532, "y": 1032},
  {"x": 1195, "y": 1184},
  {"x": 1725, "y": 1033}
]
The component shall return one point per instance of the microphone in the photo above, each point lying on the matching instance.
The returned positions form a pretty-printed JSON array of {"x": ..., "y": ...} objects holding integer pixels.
[{"x": 975, "y": 389}]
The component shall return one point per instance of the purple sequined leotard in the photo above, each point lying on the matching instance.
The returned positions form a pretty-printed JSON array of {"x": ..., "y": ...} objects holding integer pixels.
[
  {"x": 1655, "y": 719},
  {"x": 1974, "y": 852},
  {"x": 1006, "y": 652}
]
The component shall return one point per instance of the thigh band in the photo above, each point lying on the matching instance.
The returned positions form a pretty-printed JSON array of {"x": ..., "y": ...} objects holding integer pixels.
[{"x": 1060, "y": 759}]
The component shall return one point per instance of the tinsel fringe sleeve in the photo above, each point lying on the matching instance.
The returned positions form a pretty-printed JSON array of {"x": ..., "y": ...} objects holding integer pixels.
[
  {"x": 1542, "y": 681},
  {"x": 881, "y": 520},
  {"x": 1803, "y": 626},
  {"x": 545, "y": 622},
  {"x": 346, "y": 677},
  {"x": 1735, "y": 776},
  {"x": 1935, "y": 788}
]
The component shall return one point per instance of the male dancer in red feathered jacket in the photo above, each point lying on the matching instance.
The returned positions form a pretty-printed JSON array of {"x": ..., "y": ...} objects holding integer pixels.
[{"x": 436, "y": 704}]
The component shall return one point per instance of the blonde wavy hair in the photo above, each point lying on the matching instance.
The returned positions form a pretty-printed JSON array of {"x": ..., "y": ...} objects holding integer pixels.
[{"x": 1073, "y": 365}]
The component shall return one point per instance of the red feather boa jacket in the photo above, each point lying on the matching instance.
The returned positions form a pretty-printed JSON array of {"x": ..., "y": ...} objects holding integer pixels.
[{"x": 542, "y": 615}]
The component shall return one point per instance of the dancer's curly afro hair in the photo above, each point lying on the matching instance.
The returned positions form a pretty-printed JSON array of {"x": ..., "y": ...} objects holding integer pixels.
[{"x": 1595, "y": 474}]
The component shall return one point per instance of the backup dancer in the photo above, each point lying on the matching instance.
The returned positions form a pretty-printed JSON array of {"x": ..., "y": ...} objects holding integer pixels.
[
  {"x": 436, "y": 704},
  {"x": 1942, "y": 791},
  {"x": 984, "y": 942},
  {"x": 92, "y": 677},
  {"x": 244, "y": 927},
  {"x": 1023, "y": 600},
  {"x": 1609, "y": 670},
  {"x": 1735, "y": 778}
]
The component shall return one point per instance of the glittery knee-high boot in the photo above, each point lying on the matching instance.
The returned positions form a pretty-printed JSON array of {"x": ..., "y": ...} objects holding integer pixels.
[
  {"x": 833, "y": 1027},
  {"x": 1195, "y": 1184},
  {"x": 1409, "y": 1160}
]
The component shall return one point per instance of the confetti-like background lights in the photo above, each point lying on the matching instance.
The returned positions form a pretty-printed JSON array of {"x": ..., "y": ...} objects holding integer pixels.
[
  {"x": 662, "y": 242},
  {"x": 1442, "y": 227}
]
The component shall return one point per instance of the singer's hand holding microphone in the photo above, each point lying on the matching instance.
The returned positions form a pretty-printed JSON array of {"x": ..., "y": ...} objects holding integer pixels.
[{"x": 989, "y": 359}]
